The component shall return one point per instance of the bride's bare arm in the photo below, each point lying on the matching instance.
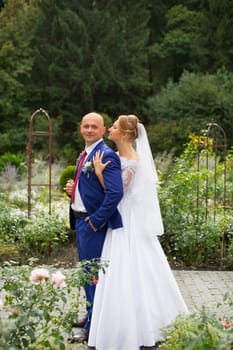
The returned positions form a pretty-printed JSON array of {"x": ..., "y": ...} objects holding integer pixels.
[{"x": 99, "y": 166}]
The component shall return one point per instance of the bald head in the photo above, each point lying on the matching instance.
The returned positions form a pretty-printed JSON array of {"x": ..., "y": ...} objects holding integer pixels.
[
  {"x": 93, "y": 116},
  {"x": 92, "y": 128}
]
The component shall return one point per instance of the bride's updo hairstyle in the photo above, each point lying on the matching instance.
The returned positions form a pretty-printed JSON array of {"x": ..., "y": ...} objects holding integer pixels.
[{"x": 129, "y": 124}]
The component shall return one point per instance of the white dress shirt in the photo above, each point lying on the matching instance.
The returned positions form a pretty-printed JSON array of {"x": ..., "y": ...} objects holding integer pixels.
[{"x": 78, "y": 205}]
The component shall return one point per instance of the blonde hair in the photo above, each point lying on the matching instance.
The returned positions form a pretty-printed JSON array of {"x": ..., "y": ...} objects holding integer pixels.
[{"x": 129, "y": 124}]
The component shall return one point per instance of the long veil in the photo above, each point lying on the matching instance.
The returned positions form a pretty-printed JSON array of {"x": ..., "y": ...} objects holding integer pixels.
[{"x": 146, "y": 179}]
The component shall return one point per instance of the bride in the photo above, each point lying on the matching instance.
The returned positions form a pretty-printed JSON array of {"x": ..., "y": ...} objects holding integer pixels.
[{"x": 137, "y": 295}]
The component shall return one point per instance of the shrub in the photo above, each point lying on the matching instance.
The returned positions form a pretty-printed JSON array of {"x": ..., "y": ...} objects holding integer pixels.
[
  {"x": 40, "y": 305},
  {"x": 12, "y": 159},
  {"x": 42, "y": 234},
  {"x": 34, "y": 236},
  {"x": 66, "y": 175},
  {"x": 201, "y": 330},
  {"x": 192, "y": 238},
  {"x": 10, "y": 224}
]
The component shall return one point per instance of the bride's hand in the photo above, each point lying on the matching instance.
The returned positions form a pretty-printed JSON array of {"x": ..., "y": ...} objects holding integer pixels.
[{"x": 98, "y": 162}]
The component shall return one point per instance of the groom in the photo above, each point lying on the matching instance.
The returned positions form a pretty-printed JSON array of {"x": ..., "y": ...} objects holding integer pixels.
[{"x": 93, "y": 209}]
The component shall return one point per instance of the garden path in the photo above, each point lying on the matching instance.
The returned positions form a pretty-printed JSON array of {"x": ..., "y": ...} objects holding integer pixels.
[{"x": 199, "y": 288}]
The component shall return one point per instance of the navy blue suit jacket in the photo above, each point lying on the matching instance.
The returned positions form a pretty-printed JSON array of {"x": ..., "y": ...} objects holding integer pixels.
[{"x": 101, "y": 205}]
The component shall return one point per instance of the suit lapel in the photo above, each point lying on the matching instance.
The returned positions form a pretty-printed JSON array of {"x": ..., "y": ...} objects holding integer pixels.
[{"x": 92, "y": 153}]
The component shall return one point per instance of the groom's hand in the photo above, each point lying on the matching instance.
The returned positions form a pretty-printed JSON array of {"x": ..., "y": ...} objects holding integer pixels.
[
  {"x": 90, "y": 223},
  {"x": 69, "y": 186}
]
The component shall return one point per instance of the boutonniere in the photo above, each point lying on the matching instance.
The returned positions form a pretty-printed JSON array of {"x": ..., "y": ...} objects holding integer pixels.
[{"x": 88, "y": 168}]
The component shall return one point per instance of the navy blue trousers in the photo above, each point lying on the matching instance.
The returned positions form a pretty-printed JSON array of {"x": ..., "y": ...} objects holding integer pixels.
[{"x": 89, "y": 245}]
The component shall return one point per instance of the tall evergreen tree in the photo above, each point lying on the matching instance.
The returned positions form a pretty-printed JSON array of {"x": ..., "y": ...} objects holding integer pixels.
[
  {"x": 15, "y": 67},
  {"x": 90, "y": 55},
  {"x": 58, "y": 80},
  {"x": 178, "y": 49},
  {"x": 217, "y": 35}
]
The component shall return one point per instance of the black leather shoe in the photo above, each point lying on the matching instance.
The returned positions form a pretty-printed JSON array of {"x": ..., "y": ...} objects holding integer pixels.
[
  {"x": 80, "y": 324},
  {"x": 80, "y": 337}
]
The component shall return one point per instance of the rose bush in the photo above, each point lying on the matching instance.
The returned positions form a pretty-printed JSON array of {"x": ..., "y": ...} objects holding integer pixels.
[{"x": 38, "y": 306}]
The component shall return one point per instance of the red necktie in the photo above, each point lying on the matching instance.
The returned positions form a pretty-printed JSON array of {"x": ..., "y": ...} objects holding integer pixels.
[{"x": 84, "y": 153}]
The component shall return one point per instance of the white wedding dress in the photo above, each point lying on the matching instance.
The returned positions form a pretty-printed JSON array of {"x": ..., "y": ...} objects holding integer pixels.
[{"x": 138, "y": 294}]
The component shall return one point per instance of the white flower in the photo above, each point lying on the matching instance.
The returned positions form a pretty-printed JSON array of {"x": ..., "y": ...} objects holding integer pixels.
[
  {"x": 88, "y": 168},
  {"x": 1, "y": 304},
  {"x": 58, "y": 279}
]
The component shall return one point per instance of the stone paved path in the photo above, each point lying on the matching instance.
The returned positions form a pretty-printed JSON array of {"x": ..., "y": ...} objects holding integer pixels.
[{"x": 204, "y": 287}]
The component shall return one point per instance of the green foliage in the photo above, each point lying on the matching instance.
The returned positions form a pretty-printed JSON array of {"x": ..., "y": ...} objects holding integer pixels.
[
  {"x": 193, "y": 237},
  {"x": 15, "y": 68},
  {"x": 99, "y": 57},
  {"x": 217, "y": 40},
  {"x": 10, "y": 225},
  {"x": 180, "y": 41},
  {"x": 167, "y": 136},
  {"x": 11, "y": 159},
  {"x": 42, "y": 234},
  {"x": 85, "y": 71},
  {"x": 38, "y": 235},
  {"x": 40, "y": 305},
  {"x": 66, "y": 175},
  {"x": 192, "y": 35},
  {"x": 202, "y": 330},
  {"x": 189, "y": 105}
]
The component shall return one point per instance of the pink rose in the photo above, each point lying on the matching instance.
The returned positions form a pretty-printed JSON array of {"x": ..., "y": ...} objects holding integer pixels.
[
  {"x": 58, "y": 279},
  {"x": 38, "y": 275},
  {"x": 227, "y": 324}
]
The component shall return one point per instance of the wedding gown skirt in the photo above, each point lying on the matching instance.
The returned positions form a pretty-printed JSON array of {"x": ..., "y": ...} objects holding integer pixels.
[{"x": 138, "y": 294}]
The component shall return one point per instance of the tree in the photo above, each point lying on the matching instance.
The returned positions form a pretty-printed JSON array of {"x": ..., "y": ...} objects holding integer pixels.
[
  {"x": 187, "y": 106},
  {"x": 217, "y": 35},
  {"x": 126, "y": 51},
  {"x": 58, "y": 80},
  {"x": 90, "y": 55},
  {"x": 15, "y": 67},
  {"x": 179, "y": 47}
]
